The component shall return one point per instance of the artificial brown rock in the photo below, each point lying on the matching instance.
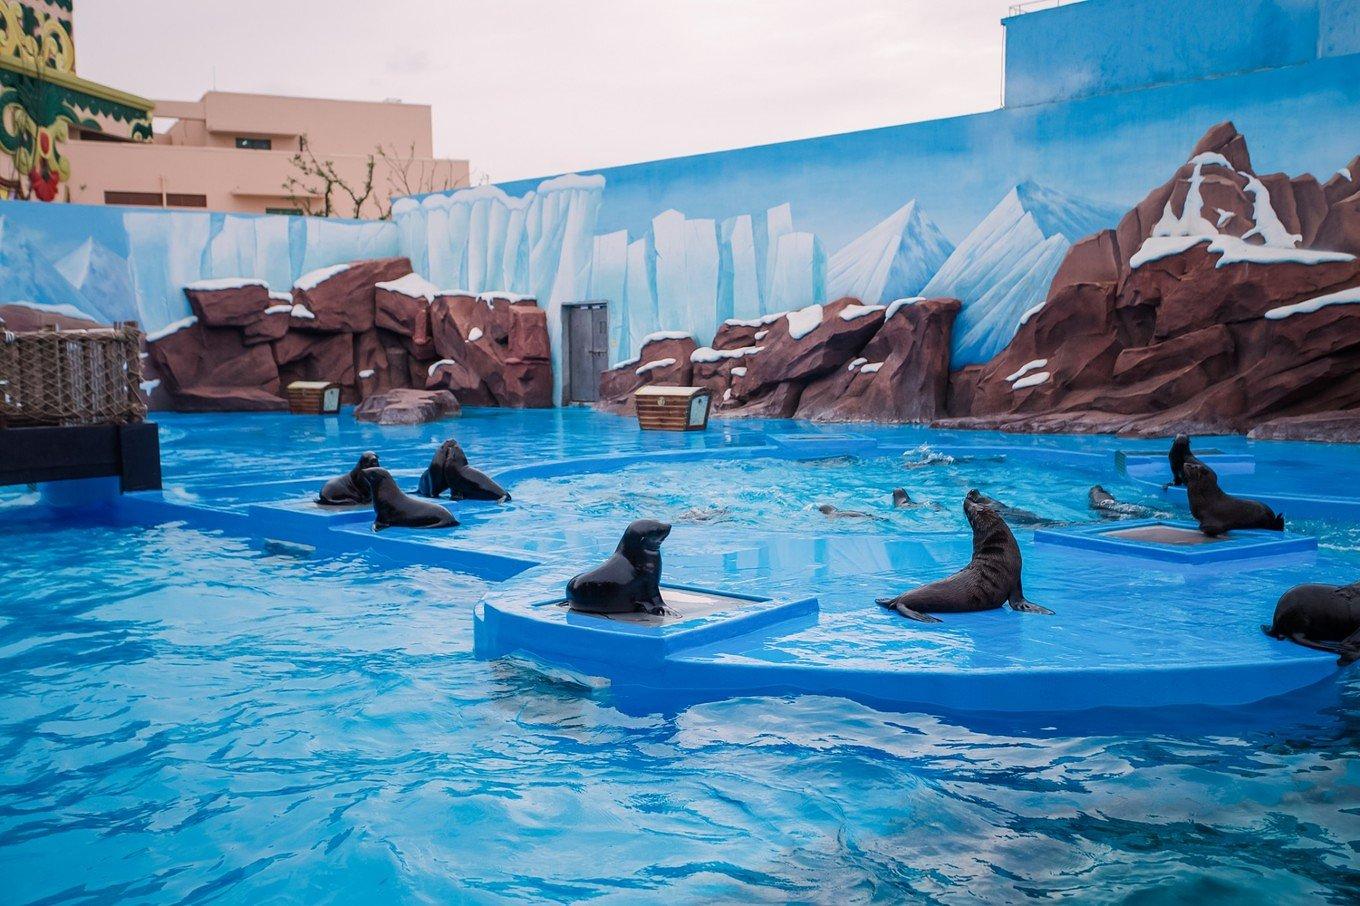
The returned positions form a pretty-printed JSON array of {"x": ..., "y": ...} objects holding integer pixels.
[
  {"x": 210, "y": 368},
  {"x": 341, "y": 298},
  {"x": 317, "y": 357},
  {"x": 663, "y": 359},
  {"x": 1334, "y": 426},
  {"x": 504, "y": 343},
  {"x": 404, "y": 406},
  {"x": 901, "y": 375},
  {"x": 1189, "y": 340},
  {"x": 23, "y": 318},
  {"x": 831, "y": 344}
]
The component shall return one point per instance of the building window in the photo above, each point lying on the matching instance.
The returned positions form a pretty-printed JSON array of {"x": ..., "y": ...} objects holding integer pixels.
[
  {"x": 254, "y": 144},
  {"x": 290, "y": 211},
  {"x": 181, "y": 200},
  {"x": 148, "y": 199}
]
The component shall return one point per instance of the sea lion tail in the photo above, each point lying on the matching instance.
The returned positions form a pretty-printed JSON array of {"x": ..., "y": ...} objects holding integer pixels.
[{"x": 1278, "y": 524}]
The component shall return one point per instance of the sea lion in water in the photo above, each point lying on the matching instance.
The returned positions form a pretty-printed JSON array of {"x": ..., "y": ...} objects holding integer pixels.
[
  {"x": 630, "y": 580},
  {"x": 1179, "y": 455},
  {"x": 1325, "y": 617},
  {"x": 392, "y": 507},
  {"x": 991, "y": 578},
  {"x": 449, "y": 470},
  {"x": 1100, "y": 499},
  {"x": 350, "y": 488},
  {"x": 1218, "y": 512},
  {"x": 1010, "y": 513},
  {"x": 900, "y": 497},
  {"x": 834, "y": 512}
]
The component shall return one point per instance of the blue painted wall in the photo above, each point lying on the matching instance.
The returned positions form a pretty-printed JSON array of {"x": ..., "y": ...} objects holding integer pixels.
[{"x": 1103, "y": 46}]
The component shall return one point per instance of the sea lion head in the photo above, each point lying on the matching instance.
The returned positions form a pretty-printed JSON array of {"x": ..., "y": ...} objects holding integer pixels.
[
  {"x": 900, "y": 497},
  {"x": 377, "y": 477},
  {"x": 452, "y": 453},
  {"x": 369, "y": 460},
  {"x": 980, "y": 514},
  {"x": 643, "y": 536},
  {"x": 1198, "y": 475},
  {"x": 826, "y": 509},
  {"x": 1181, "y": 443}
]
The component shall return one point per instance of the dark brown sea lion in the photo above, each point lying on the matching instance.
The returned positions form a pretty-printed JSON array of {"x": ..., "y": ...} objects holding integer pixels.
[
  {"x": 991, "y": 578},
  {"x": 1218, "y": 512},
  {"x": 350, "y": 488},
  {"x": 393, "y": 508},
  {"x": 449, "y": 470},
  {"x": 1325, "y": 617},
  {"x": 1179, "y": 455},
  {"x": 630, "y": 580}
]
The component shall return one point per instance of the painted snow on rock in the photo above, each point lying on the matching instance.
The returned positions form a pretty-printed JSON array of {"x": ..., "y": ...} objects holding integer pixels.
[
  {"x": 412, "y": 286},
  {"x": 895, "y": 258},
  {"x": 1317, "y": 303},
  {"x": 1177, "y": 232},
  {"x": 1004, "y": 267},
  {"x": 804, "y": 321}
]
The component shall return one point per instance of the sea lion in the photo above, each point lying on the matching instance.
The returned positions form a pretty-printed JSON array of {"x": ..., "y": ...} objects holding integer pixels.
[
  {"x": 706, "y": 514},
  {"x": 991, "y": 578},
  {"x": 449, "y": 470},
  {"x": 1100, "y": 499},
  {"x": 1010, "y": 513},
  {"x": 1179, "y": 455},
  {"x": 350, "y": 488},
  {"x": 392, "y": 507},
  {"x": 1325, "y": 617},
  {"x": 834, "y": 512},
  {"x": 900, "y": 497},
  {"x": 1218, "y": 512},
  {"x": 630, "y": 580}
]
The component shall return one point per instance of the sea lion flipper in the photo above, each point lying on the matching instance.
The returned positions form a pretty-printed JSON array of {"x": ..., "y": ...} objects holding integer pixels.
[
  {"x": 423, "y": 489},
  {"x": 910, "y": 614},
  {"x": 1020, "y": 604}
]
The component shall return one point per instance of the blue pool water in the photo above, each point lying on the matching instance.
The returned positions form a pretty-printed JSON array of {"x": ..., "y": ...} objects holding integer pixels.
[{"x": 189, "y": 715}]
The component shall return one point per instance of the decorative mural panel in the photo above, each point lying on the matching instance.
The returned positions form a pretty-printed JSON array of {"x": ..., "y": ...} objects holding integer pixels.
[{"x": 42, "y": 99}]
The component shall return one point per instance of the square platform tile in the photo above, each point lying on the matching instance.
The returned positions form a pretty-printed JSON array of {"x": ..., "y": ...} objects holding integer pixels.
[{"x": 1175, "y": 542}]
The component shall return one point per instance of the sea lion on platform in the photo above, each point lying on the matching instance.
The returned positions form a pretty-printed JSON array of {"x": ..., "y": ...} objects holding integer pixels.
[
  {"x": 1179, "y": 455},
  {"x": 449, "y": 470},
  {"x": 1218, "y": 512},
  {"x": 1325, "y": 617},
  {"x": 991, "y": 578},
  {"x": 630, "y": 580},
  {"x": 350, "y": 488},
  {"x": 1102, "y": 500},
  {"x": 393, "y": 508}
]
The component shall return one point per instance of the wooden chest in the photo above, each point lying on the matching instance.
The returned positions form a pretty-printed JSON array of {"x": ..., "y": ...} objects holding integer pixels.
[
  {"x": 672, "y": 408},
  {"x": 314, "y": 397}
]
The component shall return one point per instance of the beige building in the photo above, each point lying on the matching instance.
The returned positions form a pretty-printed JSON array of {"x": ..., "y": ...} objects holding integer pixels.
[{"x": 266, "y": 153}]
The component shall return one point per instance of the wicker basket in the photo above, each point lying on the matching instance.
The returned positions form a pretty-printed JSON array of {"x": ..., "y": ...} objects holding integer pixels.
[
  {"x": 672, "y": 408},
  {"x": 71, "y": 377}
]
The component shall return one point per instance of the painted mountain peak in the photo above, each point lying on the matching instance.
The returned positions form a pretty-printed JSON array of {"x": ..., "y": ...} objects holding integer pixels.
[
  {"x": 1002, "y": 269},
  {"x": 892, "y": 260}
]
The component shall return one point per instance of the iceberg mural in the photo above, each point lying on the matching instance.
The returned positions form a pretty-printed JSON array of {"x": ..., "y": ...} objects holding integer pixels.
[
  {"x": 1003, "y": 268},
  {"x": 893, "y": 260}
]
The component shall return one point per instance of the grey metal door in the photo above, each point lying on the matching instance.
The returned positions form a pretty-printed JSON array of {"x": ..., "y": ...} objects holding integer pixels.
[{"x": 587, "y": 350}]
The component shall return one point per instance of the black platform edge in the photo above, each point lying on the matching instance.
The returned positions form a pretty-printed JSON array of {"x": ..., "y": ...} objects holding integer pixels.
[{"x": 132, "y": 453}]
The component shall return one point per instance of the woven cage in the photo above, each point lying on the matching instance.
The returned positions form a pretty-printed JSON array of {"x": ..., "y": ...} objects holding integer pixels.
[{"x": 71, "y": 377}]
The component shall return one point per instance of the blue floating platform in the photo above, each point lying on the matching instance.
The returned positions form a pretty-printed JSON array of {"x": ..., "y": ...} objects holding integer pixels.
[
  {"x": 1176, "y": 542},
  {"x": 530, "y": 616}
]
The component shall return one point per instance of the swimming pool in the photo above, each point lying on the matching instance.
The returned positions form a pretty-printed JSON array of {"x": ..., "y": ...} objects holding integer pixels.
[{"x": 189, "y": 714}]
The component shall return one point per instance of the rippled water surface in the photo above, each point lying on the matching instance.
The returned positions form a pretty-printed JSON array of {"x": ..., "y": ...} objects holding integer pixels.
[{"x": 186, "y": 716}]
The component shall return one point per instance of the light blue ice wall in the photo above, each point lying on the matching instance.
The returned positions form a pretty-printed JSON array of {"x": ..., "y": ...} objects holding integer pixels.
[
  {"x": 1103, "y": 46},
  {"x": 123, "y": 263}
]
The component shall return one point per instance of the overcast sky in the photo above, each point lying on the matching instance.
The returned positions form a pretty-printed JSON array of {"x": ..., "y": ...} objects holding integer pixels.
[{"x": 526, "y": 88}]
